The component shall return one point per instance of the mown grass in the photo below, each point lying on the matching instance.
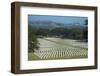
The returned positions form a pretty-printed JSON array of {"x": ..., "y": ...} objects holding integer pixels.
[
  {"x": 32, "y": 56},
  {"x": 66, "y": 44}
]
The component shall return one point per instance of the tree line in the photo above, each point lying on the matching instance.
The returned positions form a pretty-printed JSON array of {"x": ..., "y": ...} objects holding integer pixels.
[{"x": 72, "y": 33}]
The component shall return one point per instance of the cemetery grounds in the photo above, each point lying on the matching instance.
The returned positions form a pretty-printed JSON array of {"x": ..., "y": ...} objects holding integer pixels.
[{"x": 57, "y": 48}]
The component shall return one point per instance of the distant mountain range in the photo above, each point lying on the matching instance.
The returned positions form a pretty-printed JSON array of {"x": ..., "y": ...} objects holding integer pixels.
[{"x": 51, "y": 25}]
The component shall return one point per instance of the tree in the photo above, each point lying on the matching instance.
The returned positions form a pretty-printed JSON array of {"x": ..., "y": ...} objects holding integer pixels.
[
  {"x": 32, "y": 39},
  {"x": 85, "y": 33},
  {"x": 86, "y": 22}
]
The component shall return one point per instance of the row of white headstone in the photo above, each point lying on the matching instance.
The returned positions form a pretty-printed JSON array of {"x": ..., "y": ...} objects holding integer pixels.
[{"x": 62, "y": 53}]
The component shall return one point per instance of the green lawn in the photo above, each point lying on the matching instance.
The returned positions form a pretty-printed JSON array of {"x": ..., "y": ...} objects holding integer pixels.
[{"x": 32, "y": 56}]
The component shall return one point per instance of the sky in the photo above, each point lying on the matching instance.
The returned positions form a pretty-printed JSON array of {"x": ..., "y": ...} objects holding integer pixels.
[{"x": 59, "y": 19}]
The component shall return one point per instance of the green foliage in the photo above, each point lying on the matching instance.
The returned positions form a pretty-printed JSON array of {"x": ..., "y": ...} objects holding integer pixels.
[
  {"x": 32, "y": 39},
  {"x": 42, "y": 32},
  {"x": 71, "y": 33},
  {"x": 86, "y": 22}
]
